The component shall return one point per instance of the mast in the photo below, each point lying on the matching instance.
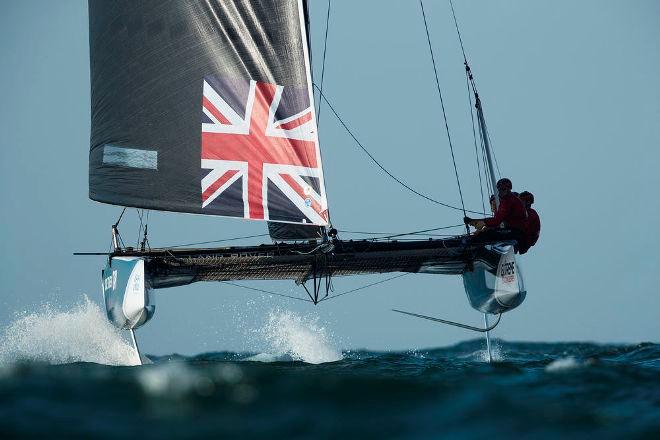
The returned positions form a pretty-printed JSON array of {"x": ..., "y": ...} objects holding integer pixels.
[
  {"x": 308, "y": 52},
  {"x": 493, "y": 181},
  {"x": 489, "y": 154}
]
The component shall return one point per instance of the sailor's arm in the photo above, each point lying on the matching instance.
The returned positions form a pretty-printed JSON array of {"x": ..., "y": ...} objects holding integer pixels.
[{"x": 500, "y": 215}]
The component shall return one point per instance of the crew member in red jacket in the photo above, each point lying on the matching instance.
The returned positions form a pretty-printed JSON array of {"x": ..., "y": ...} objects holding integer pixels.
[
  {"x": 533, "y": 224},
  {"x": 509, "y": 222}
]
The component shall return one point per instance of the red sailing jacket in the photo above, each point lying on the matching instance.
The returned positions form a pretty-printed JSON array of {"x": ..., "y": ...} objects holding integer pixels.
[
  {"x": 533, "y": 229},
  {"x": 512, "y": 212}
]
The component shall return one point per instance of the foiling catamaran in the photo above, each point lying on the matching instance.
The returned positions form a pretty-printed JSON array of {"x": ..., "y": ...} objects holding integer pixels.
[{"x": 207, "y": 107}]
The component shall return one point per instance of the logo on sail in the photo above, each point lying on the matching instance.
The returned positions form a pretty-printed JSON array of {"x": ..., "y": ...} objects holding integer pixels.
[{"x": 259, "y": 143}]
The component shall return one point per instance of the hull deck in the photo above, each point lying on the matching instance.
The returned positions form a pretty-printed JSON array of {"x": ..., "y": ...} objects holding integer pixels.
[{"x": 304, "y": 261}]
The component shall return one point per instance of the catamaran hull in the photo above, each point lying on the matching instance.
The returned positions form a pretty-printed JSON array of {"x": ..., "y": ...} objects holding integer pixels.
[
  {"x": 491, "y": 274},
  {"x": 495, "y": 284},
  {"x": 127, "y": 292}
]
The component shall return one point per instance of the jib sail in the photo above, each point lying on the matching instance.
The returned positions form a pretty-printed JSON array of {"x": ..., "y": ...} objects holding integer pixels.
[{"x": 204, "y": 107}]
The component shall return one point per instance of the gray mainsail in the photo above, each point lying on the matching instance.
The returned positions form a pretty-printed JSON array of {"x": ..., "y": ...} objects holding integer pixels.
[{"x": 204, "y": 107}]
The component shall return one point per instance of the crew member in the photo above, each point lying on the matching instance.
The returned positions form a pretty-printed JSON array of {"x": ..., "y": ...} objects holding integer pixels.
[
  {"x": 479, "y": 225},
  {"x": 509, "y": 222},
  {"x": 533, "y": 224}
]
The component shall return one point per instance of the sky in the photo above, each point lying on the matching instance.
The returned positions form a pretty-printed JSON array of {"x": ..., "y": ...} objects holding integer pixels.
[{"x": 572, "y": 100}]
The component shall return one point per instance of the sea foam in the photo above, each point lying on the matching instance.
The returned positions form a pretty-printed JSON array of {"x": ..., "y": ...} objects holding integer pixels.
[
  {"x": 563, "y": 364},
  {"x": 79, "y": 334}
]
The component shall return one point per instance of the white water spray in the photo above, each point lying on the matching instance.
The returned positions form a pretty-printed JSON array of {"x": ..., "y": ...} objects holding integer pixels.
[
  {"x": 79, "y": 334},
  {"x": 495, "y": 354},
  {"x": 290, "y": 336}
]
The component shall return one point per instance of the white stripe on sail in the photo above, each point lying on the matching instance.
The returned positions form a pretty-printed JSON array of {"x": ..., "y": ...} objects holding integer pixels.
[
  {"x": 302, "y": 132},
  {"x": 219, "y": 168},
  {"x": 237, "y": 125},
  {"x": 273, "y": 172}
]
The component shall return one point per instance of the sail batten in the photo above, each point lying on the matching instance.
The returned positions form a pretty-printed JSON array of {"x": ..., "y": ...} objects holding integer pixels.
[{"x": 206, "y": 108}]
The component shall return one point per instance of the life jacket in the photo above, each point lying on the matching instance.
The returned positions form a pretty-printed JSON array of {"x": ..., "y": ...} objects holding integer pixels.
[
  {"x": 532, "y": 227},
  {"x": 511, "y": 212}
]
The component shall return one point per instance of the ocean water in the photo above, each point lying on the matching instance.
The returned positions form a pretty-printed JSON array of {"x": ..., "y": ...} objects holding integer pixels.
[{"x": 69, "y": 373}]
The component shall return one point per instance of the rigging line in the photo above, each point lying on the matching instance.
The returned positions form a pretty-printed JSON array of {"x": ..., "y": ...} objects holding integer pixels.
[
  {"x": 385, "y": 170},
  {"x": 121, "y": 240},
  {"x": 393, "y": 233},
  {"x": 312, "y": 251},
  {"x": 140, "y": 213},
  {"x": 378, "y": 237},
  {"x": 415, "y": 232},
  {"x": 434, "y": 235},
  {"x": 487, "y": 135},
  {"x": 492, "y": 148},
  {"x": 318, "y": 113},
  {"x": 458, "y": 31},
  {"x": 145, "y": 229},
  {"x": 146, "y": 218},
  {"x": 363, "y": 287},
  {"x": 120, "y": 216},
  {"x": 325, "y": 47},
  {"x": 145, "y": 240},
  {"x": 487, "y": 173},
  {"x": 470, "y": 78},
  {"x": 217, "y": 241},
  {"x": 266, "y": 291},
  {"x": 474, "y": 137},
  {"x": 484, "y": 159},
  {"x": 387, "y": 240},
  {"x": 442, "y": 104}
]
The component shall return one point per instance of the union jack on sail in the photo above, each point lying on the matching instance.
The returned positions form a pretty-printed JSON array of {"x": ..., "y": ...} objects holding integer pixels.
[{"x": 260, "y": 144}]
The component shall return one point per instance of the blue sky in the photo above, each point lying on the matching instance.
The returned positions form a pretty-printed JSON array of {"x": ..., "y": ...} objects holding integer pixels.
[{"x": 572, "y": 99}]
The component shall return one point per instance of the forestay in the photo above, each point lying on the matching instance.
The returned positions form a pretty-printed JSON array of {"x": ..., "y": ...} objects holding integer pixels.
[{"x": 204, "y": 107}]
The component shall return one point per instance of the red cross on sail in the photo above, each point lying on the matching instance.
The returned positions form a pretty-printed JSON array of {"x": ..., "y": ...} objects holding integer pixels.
[{"x": 258, "y": 148}]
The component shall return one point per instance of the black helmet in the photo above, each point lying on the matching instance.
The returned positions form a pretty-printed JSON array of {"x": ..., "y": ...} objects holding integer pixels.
[
  {"x": 504, "y": 184},
  {"x": 527, "y": 196}
]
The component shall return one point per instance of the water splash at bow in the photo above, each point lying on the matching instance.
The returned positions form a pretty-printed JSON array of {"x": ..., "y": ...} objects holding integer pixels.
[{"x": 79, "y": 334}]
